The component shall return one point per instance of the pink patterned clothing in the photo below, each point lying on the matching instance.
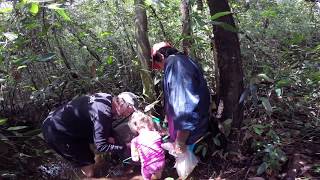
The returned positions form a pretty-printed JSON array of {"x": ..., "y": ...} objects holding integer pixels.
[{"x": 147, "y": 146}]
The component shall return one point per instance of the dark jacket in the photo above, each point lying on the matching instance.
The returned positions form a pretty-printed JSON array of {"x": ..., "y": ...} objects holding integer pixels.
[
  {"x": 187, "y": 97},
  {"x": 86, "y": 119}
]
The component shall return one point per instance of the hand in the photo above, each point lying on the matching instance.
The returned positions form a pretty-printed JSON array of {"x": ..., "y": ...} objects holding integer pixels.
[
  {"x": 180, "y": 147},
  {"x": 111, "y": 140}
]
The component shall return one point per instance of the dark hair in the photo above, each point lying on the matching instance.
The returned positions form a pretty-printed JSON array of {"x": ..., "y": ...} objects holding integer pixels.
[{"x": 165, "y": 51}]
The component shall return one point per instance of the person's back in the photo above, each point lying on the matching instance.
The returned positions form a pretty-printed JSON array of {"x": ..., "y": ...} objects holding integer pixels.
[
  {"x": 74, "y": 121},
  {"x": 187, "y": 97}
]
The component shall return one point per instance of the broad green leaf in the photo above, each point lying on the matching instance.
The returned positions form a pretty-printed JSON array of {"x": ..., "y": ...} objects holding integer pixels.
[
  {"x": 269, "y": 13},
  {"x": 219, "y": 14},
  {"x": 46, "y": 57},
  {"x": 315, "y": 76},
  {"x": 258, "y": 128},
  {"x": 22, "y": 61},
  {"x": 105, "y": 34},
  {"x": 5, "y": 10},
  {"x": 3, "y": 121},
  {"x": 63, "y": 14},
  {"x": 262, "y": 168},
  {"x": 16, "y": 128},
  {"x": 2, "y": 80},
  {"x": 21, "y": 67},
  {"x": 109, "y": 60},
  {"x": 10, "y": 36},
  {"x": 34, "y": 9},
  {"x": 225, "y": 26},
  {"x": 266, "y": 104},
  {"x": 283, "y": 83},
  {"x": 265, "y": 77}
]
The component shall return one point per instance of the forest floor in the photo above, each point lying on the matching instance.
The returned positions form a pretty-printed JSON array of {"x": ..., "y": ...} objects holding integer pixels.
[
  {"x": 302, "y": 152},
  {"x": 283, "y": 145}
]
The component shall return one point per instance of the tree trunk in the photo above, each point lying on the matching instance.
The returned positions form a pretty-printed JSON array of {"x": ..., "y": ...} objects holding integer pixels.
[
  {"x": 230, "y": 80},
  {"x": 186, "y": 26},
  {"x": 143, "y": 48}
]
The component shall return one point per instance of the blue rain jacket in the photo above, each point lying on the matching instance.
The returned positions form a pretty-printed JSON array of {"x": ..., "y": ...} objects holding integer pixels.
[{"x": 186, "y": 96}]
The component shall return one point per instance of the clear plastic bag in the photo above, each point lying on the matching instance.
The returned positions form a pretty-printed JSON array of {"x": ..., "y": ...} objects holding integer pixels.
[{"x": 185, "y": 162}]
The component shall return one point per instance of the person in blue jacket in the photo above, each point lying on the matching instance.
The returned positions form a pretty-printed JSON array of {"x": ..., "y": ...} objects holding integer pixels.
[
  {"x": 186, "y": 95},
  {"x": 73, "y": 127}
]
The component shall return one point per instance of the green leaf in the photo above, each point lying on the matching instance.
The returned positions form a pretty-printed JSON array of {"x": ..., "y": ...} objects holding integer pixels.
[
  {"x": 21, "y": 67},
  {"x": 266, "y": 104},
  {"x": 219, "y": 14},
  {"x": 315, "y": 76},
  {"x": 204, "y": 151},
  {"x": 216, "y": 141},
  {"x": 63, "y": 14},
  {"x": 3, "y": 121},
  {"x": 16, "y": 128},
  {"x": 2, "y": 80},
  {"x": 265, "y": 77},
  {"x": 148, "y": 2},
  {"x": 269, "y": 13},
  {"x": 32, "y": 132},
  {"x": 198, "y": 148},
  {"x": 225, "y": 26},
  {"x": 10, "y": 36},
  {"x": 262, "y": 168},
  {"x": 34, "y": 9},
  {"x": 54, "y": 6},
  {"x": 109, "y": 60},
  {"x": 46, "y": 57},
  {"x": 105, "y": 34},
  {"x": 283, "y": 83},
  {"x": 258, "y": 128},
  {"x": 278, "y": 92},
  {"x": 47, "y": 151},
  {"x": 5, "y": 10}
]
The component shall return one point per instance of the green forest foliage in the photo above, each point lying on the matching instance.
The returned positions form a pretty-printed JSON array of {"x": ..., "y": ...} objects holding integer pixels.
[{"x": 51, "y": 52}]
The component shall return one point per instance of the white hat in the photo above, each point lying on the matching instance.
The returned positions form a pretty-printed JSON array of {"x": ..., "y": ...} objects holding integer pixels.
[{"x": 129, "y": 98}]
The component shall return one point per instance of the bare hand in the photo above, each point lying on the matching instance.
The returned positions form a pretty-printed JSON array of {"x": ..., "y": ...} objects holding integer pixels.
[{"x": 180, "y": 147}]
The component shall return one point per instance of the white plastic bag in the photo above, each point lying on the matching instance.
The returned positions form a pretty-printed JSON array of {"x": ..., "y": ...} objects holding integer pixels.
[{"x": 185, "y": 162}]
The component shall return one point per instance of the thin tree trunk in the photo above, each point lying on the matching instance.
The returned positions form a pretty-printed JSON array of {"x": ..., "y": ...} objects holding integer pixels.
[
  {"x": 230, "y": 82},
  {"x": 160, "y": 23},
  {"x": 143, "y": 47},
  {"x": 186, "y": 26},
  {"x": 91, "y": 52},
  {"x": 61, "y": 52}
]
